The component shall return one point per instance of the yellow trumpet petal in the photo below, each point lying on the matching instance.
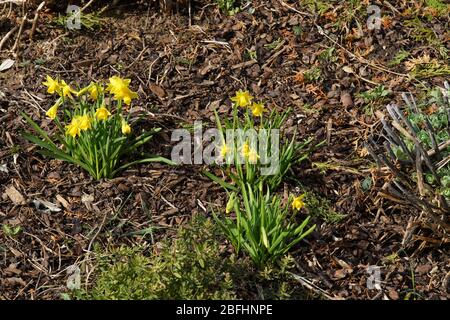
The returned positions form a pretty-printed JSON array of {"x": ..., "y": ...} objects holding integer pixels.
[
  {"x": 85, "y": 122},
  {"x": 257, "y": 109},
  {"x": 53, "y": 86},
  {"x": 119, "y": 88},
  {"x": 66, "y": 90},
  {"x": 253, "y": 156},
  {"x": 126, "y": 129},
  {"x": 297, "y": 202},
  {"x": 223, "y": 150},
  {"x": 242, "y": 98},
  {"x": 53, "y": 111},
  {"x": 245, "y": 151},
  {"x": 73, "y": 129},
  {"x": 102, "y": 113}
]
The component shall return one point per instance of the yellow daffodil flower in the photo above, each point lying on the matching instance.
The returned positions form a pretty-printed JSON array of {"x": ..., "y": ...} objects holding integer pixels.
[
  {"x": 52, "y": 112},
  {"x": 94, "y": 91},
  {"x": 73, "y": 129},
  {"x": 253, "y": 156},
  {"x": 78, "y": 124},
  {"x": 52, "y": 84},
  {"x": 258, "y": 109},
  {"x": 126, "y": 129},
  {"x": 119, "y": 88},
  {"x": 245, "y": 151},
  {"x": 242, "y": 98},
  {"x": 102, "y": 113},
  {"x": 297, "y": 202},
  {"x": 85, "y": 122},
  {"x": 223, "y": 150},
  {"x": 66, "y": 90}
]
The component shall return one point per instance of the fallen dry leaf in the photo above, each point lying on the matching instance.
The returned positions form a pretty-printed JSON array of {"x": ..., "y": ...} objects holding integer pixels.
[
  {"x": 346, "y": 100},
  {"x": 15, "y": 196},
  {"x": 158, "y": 90}
]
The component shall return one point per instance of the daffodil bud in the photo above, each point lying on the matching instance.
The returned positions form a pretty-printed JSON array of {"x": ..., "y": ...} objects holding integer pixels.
[{"x": 230, "y": 203}]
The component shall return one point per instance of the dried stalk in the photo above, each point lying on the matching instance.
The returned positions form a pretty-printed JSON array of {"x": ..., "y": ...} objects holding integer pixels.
[
  {"x": 19, "y": 34},
  {"x": 36, "y": 16},
  {"x": 6, "y": 37}
]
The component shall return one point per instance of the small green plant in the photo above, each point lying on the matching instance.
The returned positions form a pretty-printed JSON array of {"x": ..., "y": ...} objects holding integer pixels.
[
  {"x": 399, "y": 58},
  {"x": 430, "y": 70},
  {"x": 87, "y": 20},
  {"x": 263, "y": 228},
  {"x": 276, "y": 280},
  {"x": 328, "y": 55},
  {"x": 319, "y": 7},
  {"x": 92, "y": 133},
  {"x": 251, "y": 54},
  {"x": 11, "y": 231},
  {"x": 436, "y": 8},
  {"x": 297, "y": 30},
  {"x": 191, "y": 266},
  {"x": 321, "y": 207},
  {"x": 376, "y": 94},
  {"x": 274, "y": 44},
  {"x": 312, "y": 75},
  {"x": 230, "y": 7}
]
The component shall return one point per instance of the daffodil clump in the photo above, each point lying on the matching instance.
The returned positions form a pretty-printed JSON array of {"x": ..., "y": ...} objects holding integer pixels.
[
  {"x": 256, "y": 220},
  {"x": 93, "y": 130},
  {"x": 259, "y": 224},
  {"x": 242, "y": 156}
]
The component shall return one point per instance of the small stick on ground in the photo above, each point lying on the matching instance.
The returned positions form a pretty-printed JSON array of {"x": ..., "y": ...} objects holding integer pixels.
[
  {"x": 15, "y": 48},
  {"x": 36, "y": 17},
  {"x": 329, "y": 129},
  {"x": 244, "y": 64},
  {"x": 275, "y": 55},
  {"x": 6, "y": 37},
  {"x": 86, "y": 6},
  {"x": 311, "y": 286}
]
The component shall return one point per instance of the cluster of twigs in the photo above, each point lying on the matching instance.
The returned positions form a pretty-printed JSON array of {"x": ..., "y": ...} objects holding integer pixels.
[
  {"x": 20, "y": 29},
  {"x": 408, "y": 184}
]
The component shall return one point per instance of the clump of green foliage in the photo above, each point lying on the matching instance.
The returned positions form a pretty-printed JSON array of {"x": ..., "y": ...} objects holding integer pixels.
[
  {"x": 191, "y": 266},
  {"x": 437, "y": 122},
  {"x": 436, "y": 8},
  {"x": 421, "y": 32},
  {"x": 376, "y": 94},
  {"x": 321, "y": 207},
  {"x": 229, "y": 7},
  {"x": 263, "y": 228},
  {"x": 430, "y": 70},
  {"x": 373, "y": 97},
  {"x": 399, "y": 58},
  {"x": 318, "y": 7},
  {"x": 11, "y": 231},
  {"x": 416, "y": 150},
  {"x": 89, "y": 21},
  {"x": 313, "y": 74}
]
